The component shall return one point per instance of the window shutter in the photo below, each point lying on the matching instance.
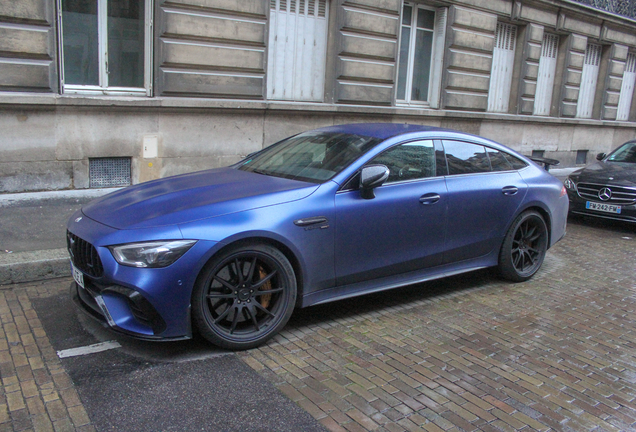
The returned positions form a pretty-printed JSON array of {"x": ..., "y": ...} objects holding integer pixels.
[
  {"x": 545, "y": 80},
  {"x": 589, "y": 77},
  {"x": 627, "y": 88},
  {"x": 437, "y": 64},
  {"x": 297, "y": 49},
  {"x": 503, "y": 58}
]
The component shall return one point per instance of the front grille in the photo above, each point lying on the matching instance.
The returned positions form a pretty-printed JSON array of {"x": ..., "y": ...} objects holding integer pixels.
[
  {"x": 84, "y": 255},
  {"x": 619, "y": 195}
]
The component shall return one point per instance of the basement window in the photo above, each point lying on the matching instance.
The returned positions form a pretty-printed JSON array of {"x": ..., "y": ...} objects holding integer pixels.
[
  {"x": 538, "y": 153},
  {"x": 581, "y": 157},
  {"x": 109, "y": 172}
]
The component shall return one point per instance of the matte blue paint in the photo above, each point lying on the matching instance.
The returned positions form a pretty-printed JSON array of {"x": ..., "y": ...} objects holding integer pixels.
[{"x": 365, "y": 246}]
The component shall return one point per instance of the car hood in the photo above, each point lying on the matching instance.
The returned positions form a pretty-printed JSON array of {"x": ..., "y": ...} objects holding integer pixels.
[
  {"x": 621, "y": 173},
  {"x": 190, "y": 197}
]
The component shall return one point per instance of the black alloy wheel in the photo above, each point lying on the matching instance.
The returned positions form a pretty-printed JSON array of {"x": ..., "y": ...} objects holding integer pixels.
[
  {"x": 524, "y": 247},
  {"x": 244, "y": 297}
]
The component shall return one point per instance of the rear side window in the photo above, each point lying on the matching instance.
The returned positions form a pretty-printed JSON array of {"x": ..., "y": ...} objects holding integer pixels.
[
  {"x": 466, "y": 158},
  {"x": 469, "y": 158},
  {"x": 498, "y": 161},
  {"x": 514, "y": 161}
]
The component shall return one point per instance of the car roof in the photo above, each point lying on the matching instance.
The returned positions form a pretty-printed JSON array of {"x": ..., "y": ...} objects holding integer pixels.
[{"x": 380, "y": 130}]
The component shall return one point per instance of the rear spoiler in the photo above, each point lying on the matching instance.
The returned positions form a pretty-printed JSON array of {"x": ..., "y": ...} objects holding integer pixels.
[{"x": 547, "y": 163}]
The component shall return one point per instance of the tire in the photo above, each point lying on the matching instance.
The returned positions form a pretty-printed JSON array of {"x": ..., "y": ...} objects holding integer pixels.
[
  {"x": 524, "y": 247},
  {"x": 244, "y": 297}
]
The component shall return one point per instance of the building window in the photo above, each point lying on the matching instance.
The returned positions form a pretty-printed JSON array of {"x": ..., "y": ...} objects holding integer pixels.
[
  {"x": 503, "y": 58},
  {"x": 545, "y": 79},
  {"x": 421, "y": 55},
  {"x": 297, "y": 49},
  {"x": 589, "y": 77},
  {"x": 627, "y": 88},
  {"x": 105, "y": 46},
  {"x": 581, "y": 157}
]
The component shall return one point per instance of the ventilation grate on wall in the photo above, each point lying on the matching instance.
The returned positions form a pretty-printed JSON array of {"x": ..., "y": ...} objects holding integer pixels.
[{"x": 109, "y": 172}]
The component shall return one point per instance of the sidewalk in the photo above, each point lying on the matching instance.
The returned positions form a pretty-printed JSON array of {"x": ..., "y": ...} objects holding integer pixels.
[{"x": 33, "y": 233}]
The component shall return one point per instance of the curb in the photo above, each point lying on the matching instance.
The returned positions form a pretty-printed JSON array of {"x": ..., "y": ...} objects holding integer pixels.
[{"x": 33, "y": 266}]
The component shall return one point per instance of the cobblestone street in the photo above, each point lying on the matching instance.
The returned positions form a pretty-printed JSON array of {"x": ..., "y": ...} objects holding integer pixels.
[
  {"x": 466, "y": 353},
  {"x": 473, "y": 352}
]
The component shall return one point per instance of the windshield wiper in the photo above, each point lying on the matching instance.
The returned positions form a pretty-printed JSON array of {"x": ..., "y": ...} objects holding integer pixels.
[{"x": 259, "y": 171}]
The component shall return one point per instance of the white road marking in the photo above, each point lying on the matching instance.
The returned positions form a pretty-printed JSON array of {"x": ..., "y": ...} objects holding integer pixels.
[{"x": 90, "y": 349}]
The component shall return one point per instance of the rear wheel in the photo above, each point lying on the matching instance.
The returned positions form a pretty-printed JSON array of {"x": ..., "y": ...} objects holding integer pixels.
[
  {"x": 244, "y": 297},
  {"x": 524, "y": 247}
]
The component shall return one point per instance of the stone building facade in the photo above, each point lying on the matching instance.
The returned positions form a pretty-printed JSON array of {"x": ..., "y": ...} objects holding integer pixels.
[{"x": 112, "y": 92}]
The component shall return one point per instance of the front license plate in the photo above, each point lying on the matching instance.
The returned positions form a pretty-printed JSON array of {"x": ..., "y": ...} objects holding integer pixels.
[
  {"x": 78, "y": 276},
  {"x": 607, "y": 208}
]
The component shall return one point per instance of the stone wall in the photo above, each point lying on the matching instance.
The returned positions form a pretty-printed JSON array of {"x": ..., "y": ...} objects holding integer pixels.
[
  {"x": 49, "y": 146},
  {"x": 28, "y": 46},
  {"x": 210, "y": 48}
]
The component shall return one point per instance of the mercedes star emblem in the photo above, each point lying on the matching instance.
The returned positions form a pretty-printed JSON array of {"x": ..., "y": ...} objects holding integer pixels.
[{"x": 605, "y": 194}]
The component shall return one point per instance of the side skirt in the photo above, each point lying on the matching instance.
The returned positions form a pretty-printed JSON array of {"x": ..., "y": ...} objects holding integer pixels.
[{"x": 391, "y": 282}]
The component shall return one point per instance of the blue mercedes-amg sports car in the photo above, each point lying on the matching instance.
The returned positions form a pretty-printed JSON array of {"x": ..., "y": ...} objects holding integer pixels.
[{"x": 321, "y": 216}]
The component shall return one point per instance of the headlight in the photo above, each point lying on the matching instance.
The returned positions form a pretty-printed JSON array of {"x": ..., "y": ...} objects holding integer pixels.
[
  {"x": 151, "y": 254},
  {"x": 569, "y": 184}
]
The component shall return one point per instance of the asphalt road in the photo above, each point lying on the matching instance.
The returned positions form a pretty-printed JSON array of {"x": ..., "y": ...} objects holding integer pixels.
[{"x": 150, "y": 386}]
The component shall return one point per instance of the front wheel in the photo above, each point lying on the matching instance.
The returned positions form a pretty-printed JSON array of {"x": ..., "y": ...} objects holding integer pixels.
[
  {"x": 524, "y": 247},
  {"x": 244, "y": 297}
]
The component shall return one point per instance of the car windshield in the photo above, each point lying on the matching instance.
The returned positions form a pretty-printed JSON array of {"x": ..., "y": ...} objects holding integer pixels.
[
  {"x": 312, "y": 156},
  {"x": 625, "y": 153}
]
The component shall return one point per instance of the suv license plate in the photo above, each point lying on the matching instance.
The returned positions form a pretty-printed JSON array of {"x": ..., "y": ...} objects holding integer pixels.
[
  {"x": 607, "y": 208},
  {"x": 77, "y": 275}
]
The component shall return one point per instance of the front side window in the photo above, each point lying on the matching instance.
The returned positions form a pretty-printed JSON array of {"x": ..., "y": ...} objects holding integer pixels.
[
  {"x": 625, "y": 153},
  {"x": 409, "y": 161},
  {"x": 420, "y": 57},
  {"x": 105, "y": 46}
]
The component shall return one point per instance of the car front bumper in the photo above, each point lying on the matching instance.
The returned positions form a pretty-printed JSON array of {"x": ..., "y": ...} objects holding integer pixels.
[
  {"x": 580, "y": 206},
  {"x": 147, "y": 303}
]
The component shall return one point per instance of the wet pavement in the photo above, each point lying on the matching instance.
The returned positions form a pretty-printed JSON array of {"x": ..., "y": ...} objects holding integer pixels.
[{"x": 466, "y": 353}]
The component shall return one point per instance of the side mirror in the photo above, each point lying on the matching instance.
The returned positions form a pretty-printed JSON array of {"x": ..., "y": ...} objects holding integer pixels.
[
  {"x": 600, "y": 156},
  {"x": 371, "y": 177}
]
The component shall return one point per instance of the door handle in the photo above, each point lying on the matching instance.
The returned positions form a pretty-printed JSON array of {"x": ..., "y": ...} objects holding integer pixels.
[
  {"x": 510, "y": 190},
  {"x": 430, "y": 198}
]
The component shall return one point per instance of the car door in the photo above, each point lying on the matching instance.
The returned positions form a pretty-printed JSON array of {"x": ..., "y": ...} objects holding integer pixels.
[
  {"x": 403, "y": 227},
  {"x": 484, "y": 193}
]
